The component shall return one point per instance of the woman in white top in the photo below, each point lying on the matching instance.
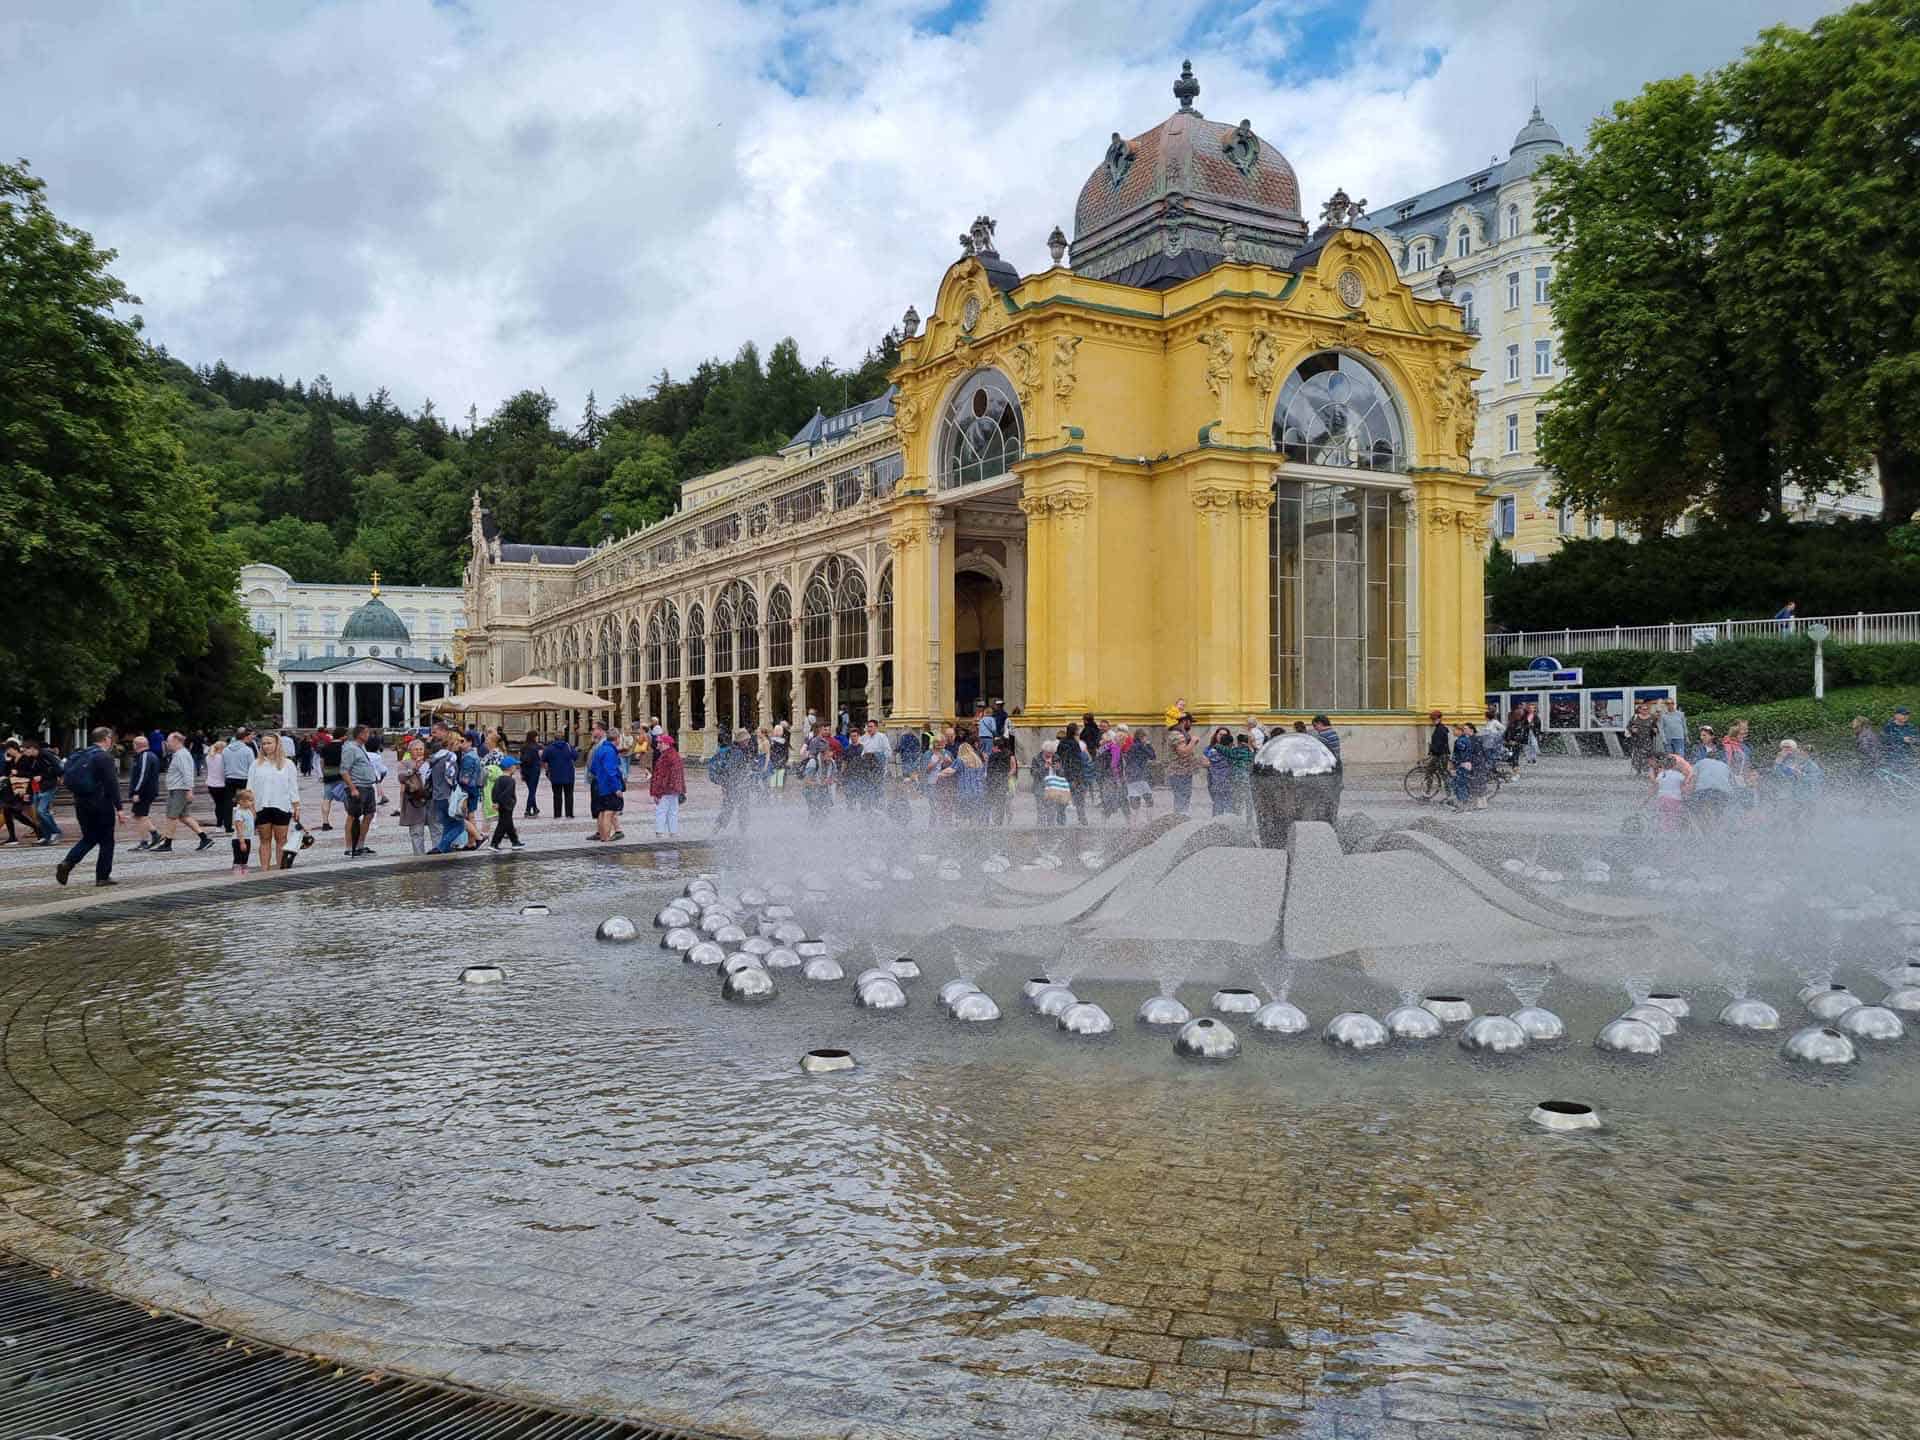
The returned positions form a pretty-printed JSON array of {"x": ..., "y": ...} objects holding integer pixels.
[
  {"x": 275, "y": 782},
  {"x": 217, "y": 786}
]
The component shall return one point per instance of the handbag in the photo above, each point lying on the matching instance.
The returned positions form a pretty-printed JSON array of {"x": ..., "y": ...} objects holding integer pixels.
[
  {"x": 1058, "y": 791},
  {"x": 457, "y": 804}
]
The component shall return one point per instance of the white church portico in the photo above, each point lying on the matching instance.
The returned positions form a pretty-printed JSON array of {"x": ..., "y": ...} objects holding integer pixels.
[{"x": 381, "y": 680}]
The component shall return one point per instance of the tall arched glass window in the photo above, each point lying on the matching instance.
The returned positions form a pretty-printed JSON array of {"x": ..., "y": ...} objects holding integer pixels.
[
  {"x": 1334, "y": 411},
  {"x": 981, "y": 434},
  {"x": 1513, "y": 222},
  {"x": 696, "y": 641},
  {"x": 779, "y": 628},
  {"x": 672, "y": 627}
]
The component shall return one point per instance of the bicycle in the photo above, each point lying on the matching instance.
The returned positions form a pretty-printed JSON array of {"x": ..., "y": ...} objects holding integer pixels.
[{"x": 1427, "y": 780}]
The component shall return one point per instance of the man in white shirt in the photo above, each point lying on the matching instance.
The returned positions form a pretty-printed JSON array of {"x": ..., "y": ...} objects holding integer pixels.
[{"x": 876, "y": 752}]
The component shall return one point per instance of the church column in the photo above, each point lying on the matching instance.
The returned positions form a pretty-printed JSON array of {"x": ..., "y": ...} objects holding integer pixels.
[
  {"x": 287, "y": 708},
  {"x": 353, "y": 704}
]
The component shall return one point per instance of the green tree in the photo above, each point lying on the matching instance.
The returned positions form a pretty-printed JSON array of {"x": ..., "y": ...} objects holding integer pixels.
[
  {"x": 304, "y": 549},
  {"x": 1818, "y": 236},
  {"x": 100, "y": 516},
  {"x": 325, "y": 494}
]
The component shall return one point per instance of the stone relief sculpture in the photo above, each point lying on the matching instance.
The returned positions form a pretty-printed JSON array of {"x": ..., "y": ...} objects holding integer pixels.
[{"x": 1219, "y": 348}]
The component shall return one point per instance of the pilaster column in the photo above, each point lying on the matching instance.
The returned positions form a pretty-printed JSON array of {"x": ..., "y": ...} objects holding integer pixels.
[
  {"x": 915, "y": 644},
  {"x": 1452, "y": 528},
  {"x": 1014, "y": 606},
  {"x": 287, "y": 709},
  {"x": 353, "y": 704}
]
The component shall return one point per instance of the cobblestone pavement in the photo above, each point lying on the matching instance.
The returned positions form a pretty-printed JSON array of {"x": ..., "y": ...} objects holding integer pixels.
[{"x": 602, "y": 1185}]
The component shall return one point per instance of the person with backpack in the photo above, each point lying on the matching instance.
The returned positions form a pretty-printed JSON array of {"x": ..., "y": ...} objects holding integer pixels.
[
  {"x": 416, "y": 796},
  {"x": 505, "y": 796},
  {"x": 448, "y": 799},
  {"x": 93, "y": 779},
  {"x": 667, "y": 785}
]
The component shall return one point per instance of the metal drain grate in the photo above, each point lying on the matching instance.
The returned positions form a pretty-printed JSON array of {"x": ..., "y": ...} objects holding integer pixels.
[{"x": 77, "y": 1364}]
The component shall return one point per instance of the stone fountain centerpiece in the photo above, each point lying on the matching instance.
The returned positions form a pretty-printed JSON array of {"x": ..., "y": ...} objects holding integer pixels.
[{"x": 1295, "y": 777}]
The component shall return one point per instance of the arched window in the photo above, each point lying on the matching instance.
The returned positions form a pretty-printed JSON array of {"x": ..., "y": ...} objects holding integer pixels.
[
  {"x": 885, "y": 602},
  {"x": 656, "y": 646},
  {"x": 634, "y": 670},
  {"x": 723, "y": 625},
  {"x": 850, "y": 614},
  {"x": 1466, "y": 310},
  {"x": 696, "y": 641},
  {"x": 980, "y": 433},
  {"x": 1462, "y": 243},
  {"x": 780, "y": 628},
  {"x": 816, "y": 615},
  {"x": 1334, "y": 411},
  {"x": 672, "y": 638},
  {"x": 748, "y": 648},
  {"x": 1513, "y": 222},
  {"x": 1420, "y": 256}
]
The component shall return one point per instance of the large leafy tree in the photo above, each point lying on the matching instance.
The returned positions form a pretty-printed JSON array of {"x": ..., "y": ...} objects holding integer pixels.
[
  {"x": 1819, "y": 237},
  {"x": 1657, "y": 415},
  {"x": 1739, "y": 280},
  {"x": 102, "y": 521}
]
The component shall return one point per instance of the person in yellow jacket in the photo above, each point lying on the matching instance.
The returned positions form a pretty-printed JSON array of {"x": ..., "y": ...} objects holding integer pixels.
[{"x": 1174, "y": 713}]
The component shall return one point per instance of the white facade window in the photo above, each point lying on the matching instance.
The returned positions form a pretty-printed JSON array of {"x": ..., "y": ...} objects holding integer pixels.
[
  {"x": 1513, "y": 290},
  {"x": 1593, "y": 527},
  {"x": 1418, "y": 259},
  {"x": 1542, "y": 274},
  {"x": 1513, "y": 362},
  {"x": 1566, "y": 518},
  {"x": 1513, "y": 222},
  {"x": 1503, "y": 516},
  {"x": 1513, "y": 437},
  {"x": 459, "y": 619},
  {"x": 1462, "y": 243},
  {"x": 303, "y": 621},
  {"x": 263, "y": 622},
  {"x": 329, "y": 623},
  {"x": 1543, "y": 357},
  {"x": 329, "y": 648},
  {"x": 1466, "y": 309},
  {"x": 436, "y": 624}
]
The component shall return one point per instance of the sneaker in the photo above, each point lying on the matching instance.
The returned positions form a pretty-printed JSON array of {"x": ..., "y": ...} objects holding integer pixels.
[
  {"x": 326, "y": 827},
  {"x": 519, "y": 844},
  {"x": 619, "y": 835},
  {"x": 61, "y": 871},
  {"x": 108, "y": 881},
  {"x": 144, "y": 845},
  {"x": 164, "y": 845},
  {"x": 39, "y": 843},
  {"x": 363, "y": 850},
  {"x": 205, "y": 841}
]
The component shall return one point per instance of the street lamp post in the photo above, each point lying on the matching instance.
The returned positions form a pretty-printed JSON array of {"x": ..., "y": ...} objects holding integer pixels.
[{"x": 1818, "y": 633}]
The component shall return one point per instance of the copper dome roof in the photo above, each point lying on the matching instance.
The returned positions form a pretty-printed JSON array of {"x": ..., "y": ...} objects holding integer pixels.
[{"x": 1189, "y": 187}]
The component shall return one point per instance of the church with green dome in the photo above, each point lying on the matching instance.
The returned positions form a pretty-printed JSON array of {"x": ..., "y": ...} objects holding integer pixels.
[{"x": 379, "y": 675}]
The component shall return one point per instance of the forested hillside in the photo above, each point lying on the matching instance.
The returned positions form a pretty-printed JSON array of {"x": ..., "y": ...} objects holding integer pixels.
[{"x": 330, "y": 486}]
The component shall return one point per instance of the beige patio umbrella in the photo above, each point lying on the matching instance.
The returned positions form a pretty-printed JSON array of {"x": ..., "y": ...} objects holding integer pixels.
[{"x": 528, "y": 693}]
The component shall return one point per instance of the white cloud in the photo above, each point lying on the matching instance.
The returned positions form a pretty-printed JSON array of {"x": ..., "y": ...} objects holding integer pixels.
[{"x": 462, "y": 201}]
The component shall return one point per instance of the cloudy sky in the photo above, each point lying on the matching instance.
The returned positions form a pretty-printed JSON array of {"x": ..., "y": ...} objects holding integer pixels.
[{"x": 461, "y": 199}]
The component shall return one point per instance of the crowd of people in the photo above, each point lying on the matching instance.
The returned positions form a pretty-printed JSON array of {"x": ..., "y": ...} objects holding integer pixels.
[{"x": 455, "y": 790}]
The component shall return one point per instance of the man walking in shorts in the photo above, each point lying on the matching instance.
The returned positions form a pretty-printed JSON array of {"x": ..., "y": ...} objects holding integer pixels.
[
  {"x": 143, "y": 788},
  {"x": 179, "y": 776},
  {"x": 360, "y": 778}
]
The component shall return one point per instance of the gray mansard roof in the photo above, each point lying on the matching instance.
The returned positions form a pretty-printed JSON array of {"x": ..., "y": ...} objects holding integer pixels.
[
  {"x": 1427, "y": 212},
  {"x": 822, "y": 429},
  {"x": 545, "y": 554}
]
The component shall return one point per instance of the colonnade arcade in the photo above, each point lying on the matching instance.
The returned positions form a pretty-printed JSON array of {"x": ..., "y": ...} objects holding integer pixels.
[{"x": 739, "y": 653}]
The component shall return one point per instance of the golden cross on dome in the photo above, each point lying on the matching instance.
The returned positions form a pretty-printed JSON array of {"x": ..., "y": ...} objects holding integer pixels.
[{"x": 376, "y": 584}]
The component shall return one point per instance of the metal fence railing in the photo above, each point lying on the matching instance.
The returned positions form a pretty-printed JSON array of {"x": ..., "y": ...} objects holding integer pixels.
[{"x": 1887, "y": 627}]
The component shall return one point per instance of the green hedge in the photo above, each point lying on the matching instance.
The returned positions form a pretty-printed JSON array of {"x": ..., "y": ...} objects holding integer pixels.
[
  {"x": 1825, "y": 725},
  {"x": 1720, "y": 572},
  {"x": 1741, "y": 672}
]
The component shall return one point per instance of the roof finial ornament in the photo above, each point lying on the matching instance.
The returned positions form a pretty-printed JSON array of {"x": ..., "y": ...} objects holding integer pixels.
[
  {"x": 376, "y": 584},
  {"x": 1186, "y": 89},
  {"x": 1342, "y": 210},
  {"x": 966, "y": 242},
  {"x": 910, "y": 323},
  {"x": 1057, "y": 244},
  {"x": 981, "y": 234}
]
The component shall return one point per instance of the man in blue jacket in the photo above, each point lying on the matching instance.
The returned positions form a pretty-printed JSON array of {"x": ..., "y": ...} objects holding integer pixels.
[
  {"x": 606, "y": 783},
  {"x": 93, "y": 779},
  {"x": 560, "y": 760}
]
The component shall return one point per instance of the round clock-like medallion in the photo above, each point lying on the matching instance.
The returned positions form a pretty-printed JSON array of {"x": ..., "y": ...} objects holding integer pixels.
[
  {"x": 1353, "y": 290},
  {"x": 970, "y": 313}
]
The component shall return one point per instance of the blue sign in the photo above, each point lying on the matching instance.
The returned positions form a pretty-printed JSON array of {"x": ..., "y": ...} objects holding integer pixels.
[{"x": 1543, "y": 662}]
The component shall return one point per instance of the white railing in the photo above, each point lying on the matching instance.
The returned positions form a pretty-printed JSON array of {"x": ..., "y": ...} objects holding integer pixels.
[{"x": 1887, "y": 627}]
